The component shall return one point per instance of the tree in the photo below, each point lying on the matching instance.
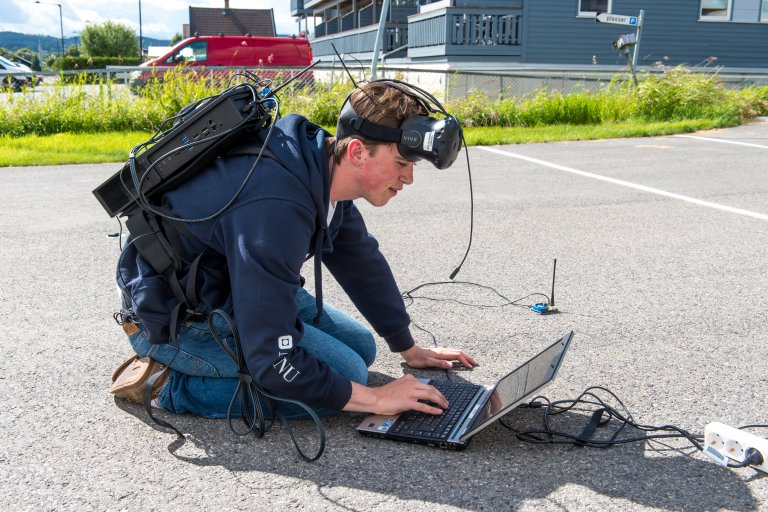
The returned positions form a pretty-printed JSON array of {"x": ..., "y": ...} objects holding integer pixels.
[
  {"x": 175, "y": 39},
  {"x": 72, "y": 51},
  {"x": 109, "y": 39},
  {"x": 36, "y": 63},
  {"x": 25, "y": 53}
]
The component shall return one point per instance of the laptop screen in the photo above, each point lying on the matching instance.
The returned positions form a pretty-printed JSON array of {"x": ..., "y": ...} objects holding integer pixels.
[{"x": 522, "y": 383}]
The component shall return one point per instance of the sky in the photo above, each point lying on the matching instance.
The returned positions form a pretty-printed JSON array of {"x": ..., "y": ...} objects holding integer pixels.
[{"x": 160, "y": 19}]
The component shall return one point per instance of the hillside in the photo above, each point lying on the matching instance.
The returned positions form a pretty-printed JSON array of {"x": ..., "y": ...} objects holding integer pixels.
[{"x": 14, "y": 41}]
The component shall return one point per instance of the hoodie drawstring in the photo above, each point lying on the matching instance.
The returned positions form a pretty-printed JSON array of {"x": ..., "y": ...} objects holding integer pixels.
[{"x": 318, "y": 276}]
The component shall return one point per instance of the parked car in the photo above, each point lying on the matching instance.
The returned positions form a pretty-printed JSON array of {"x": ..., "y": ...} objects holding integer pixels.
[
  {"x": 247, "y": 52},
  {"x": 24, "y": 64},
  {"x": 11, "y": 76}
]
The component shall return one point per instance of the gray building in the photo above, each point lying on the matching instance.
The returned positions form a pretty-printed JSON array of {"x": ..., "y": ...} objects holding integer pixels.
[{"x": 497, "y": 33}]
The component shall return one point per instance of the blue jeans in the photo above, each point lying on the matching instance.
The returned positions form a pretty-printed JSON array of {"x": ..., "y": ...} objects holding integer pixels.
[{"x": 203, "y": 377}]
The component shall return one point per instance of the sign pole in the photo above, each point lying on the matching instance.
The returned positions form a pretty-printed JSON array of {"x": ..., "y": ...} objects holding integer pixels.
[
  {"x": 379, "y": 43},
  {"x": 637, "y": 44},
  {"x": 631, "y": 69}
]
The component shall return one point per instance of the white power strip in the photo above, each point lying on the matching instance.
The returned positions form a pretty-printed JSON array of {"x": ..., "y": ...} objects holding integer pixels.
[{"x": 722, "y": 443}]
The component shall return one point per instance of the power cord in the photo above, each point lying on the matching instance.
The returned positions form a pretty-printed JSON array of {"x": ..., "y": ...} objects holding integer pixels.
[
  {"x": 752, "y": 458},
  {"x": 603, "y": 417},
  {"x": 410, "y": 297},
  {"x": 253, "y": 398}
]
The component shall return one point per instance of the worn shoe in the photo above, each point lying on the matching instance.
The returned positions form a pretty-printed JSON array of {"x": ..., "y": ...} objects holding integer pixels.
[{"x": 130, "y": 377}]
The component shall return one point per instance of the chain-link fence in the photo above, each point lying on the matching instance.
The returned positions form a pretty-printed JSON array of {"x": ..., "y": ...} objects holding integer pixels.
[
  {"x": 446, "y": 85},
  {"x": 449, "y": 85}
]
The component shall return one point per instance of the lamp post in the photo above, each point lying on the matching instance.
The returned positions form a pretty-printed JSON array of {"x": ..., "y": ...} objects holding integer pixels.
[
  {"x": 141, "y": 39},
  {"x": 61, "y": 23}
]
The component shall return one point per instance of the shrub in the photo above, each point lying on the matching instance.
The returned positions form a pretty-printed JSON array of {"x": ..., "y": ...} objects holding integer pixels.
[
  {"x": 96, "y": 106},
  {"x": 78, "y": 109},
  {"x": 477, "y": 109},
  {"x": 174, "y": 89},
  {"x": 753, "y": 101},
  {"x": 681, "y": 94},
  {"x": 70, "y": 62}
]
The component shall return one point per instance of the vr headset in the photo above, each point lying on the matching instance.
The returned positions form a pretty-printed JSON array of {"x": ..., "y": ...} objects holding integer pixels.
[{"x": 418, "y": 138}]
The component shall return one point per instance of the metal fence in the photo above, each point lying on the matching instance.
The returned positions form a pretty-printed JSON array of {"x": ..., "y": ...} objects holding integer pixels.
[
  {"x": 521, "y": 82},
  {"x": 446, "y": 85},
  {"x": 450, "y": 85}
]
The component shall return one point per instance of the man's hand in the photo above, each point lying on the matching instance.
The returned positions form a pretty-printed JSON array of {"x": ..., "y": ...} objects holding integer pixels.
[
  {"x": 418, "y": 357},
  {"x": 395, "y": 397}
]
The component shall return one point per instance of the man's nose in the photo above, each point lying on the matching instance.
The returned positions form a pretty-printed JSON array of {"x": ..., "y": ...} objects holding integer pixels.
[{"x": 407, "y": 175}]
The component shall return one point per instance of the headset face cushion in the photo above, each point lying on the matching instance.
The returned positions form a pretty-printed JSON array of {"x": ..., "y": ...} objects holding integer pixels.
[{"x": 435, "y": 140}]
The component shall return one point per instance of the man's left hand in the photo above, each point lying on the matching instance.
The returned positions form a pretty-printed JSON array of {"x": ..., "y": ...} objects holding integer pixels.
[{"x": 418, "y": 357}]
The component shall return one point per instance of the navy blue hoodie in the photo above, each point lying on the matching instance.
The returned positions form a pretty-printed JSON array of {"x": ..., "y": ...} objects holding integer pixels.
[{"x": 263, "y": 239}]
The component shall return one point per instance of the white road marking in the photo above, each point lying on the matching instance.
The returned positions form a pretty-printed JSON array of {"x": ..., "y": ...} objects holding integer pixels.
[
  {"x": 724, "y": 141},
  {"x": 629, "y": 184}
]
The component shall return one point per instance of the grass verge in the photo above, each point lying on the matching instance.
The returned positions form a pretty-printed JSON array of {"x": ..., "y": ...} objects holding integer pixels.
[
  {"x": 68, "y": 148},
  {"x": 494, "y": 135},
  {"x": 72, "y": 148}
]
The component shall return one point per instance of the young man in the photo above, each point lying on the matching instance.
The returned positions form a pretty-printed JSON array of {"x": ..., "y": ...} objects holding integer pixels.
[{"x": 298, "y": 204}]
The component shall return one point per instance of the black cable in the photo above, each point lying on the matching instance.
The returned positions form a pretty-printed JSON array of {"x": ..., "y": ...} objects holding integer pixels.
[
  {"x": 409, "y": 295},
  {"x": 411, "y": 299},
  {"x": 752, "y": 457},
  {"x": 144, "y": 202},
  {"x": 620, "y": 419},
  {"x": 603, "y": 416},
  {"x": 251, "y": 395},
  {"x": 757, "y": 425},
  {"x": 471, "y": 210}
]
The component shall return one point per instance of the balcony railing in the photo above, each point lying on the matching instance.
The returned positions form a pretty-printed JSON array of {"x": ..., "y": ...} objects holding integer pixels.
[
  {"x": 360, "y": 42},
  {"x": 465, "y": 31}
]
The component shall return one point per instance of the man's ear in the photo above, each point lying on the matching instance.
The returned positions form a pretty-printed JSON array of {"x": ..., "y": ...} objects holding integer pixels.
[{"x": 356, "y": 152}]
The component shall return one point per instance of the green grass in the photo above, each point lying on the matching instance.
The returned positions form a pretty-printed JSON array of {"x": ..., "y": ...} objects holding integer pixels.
[
  {"x": 493, "y": 135},
  {"x": 86, "y": 123},
  {"x": 72, "y": 148},
  {"x": 68, "y": 148}
]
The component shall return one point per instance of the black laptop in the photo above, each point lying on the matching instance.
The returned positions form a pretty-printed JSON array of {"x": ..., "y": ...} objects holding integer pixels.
[{"x": 471, "y": 407}]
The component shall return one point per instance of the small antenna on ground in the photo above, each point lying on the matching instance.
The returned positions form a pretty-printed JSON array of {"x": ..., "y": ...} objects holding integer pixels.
[
  {"x": 547, "y": 309},
  {"x": 552, "y": 298}
]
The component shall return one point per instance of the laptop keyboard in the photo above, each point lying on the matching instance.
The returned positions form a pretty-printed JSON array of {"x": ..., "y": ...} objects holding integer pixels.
[{"x": 438, "y": 426}]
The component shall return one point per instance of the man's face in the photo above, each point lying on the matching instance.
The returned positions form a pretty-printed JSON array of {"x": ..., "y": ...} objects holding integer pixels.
[{"x": 383, "y": 173}]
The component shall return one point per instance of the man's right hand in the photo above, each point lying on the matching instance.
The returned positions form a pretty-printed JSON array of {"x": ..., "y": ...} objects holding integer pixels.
[{"x": 395, "y": 397}]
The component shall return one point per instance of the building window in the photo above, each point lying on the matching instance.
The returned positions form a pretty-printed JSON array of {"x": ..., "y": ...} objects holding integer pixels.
[
  {"x": 592, "y": 7},
  {"x": 715, "y": 10},
  {"x": 764, "y": 11}
]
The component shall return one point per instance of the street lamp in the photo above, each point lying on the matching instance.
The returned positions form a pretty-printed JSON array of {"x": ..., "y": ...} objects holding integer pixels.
[
  {"x": 61, "y": 23},
  {"x": 141, "y": 39}
]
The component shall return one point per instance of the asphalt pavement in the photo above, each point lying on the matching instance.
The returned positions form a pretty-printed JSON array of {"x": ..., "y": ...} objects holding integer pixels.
[{"x": 661, "y": 274}]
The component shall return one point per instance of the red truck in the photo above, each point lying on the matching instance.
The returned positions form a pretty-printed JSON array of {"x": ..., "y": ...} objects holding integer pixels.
[{"x": 248, "y": 52}]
